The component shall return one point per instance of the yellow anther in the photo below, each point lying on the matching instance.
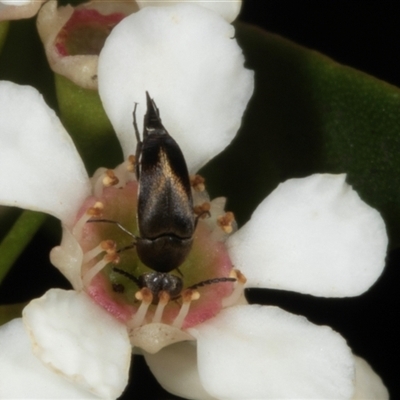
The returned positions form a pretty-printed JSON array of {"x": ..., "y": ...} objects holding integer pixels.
[
  {"x": 198, "y": 183},
  {"x": 112, "y": 258},
  {"x": 225, "y": 222},
  {"x": 144, "y": 295},
  {"x": 238, "y": 289},
  {"x": 235, "y": 273},
  {"x": 109, "y": 246},
  {"x": 189, "y": 295},
  {"x": 96, "y": 210},
  {"x": 131, "y": 163},
  {"x": 110, "y": 179},
  {"x": 163, "y": 297},
  {"x": 202, "y": 210}
]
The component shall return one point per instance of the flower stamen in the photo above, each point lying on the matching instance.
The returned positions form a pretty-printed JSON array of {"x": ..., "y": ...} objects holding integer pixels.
[
  {"x": 146, "y": 297},
  {"x": 198, "y": 183},
  {"x": 131, "y": 163},
  {"x": 188, "y": 296},
  {"x": 117, "y": 177},
  {"x": 108, "y": 246},
  {"x": 163, "y": 299},
  {"x": 203, "y": 210},
  {"x": 125, "y": 170},
  {"x": 226, "y": 221},
  {"x": 110, "y": 178},
  {"x": 108, "y": 258},
  {"x": 238, "y": 288},
  {"x": 95, "y": 211}
]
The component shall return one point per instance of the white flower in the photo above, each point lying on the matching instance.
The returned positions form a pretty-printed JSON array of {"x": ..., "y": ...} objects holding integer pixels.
[
  {"x": 77, "y": 59},
  {"x": 228, "y": 9},
  {"x": 19, "y": 9},
  {"x": 66, "y": 53},
  {"x": 324, "y": 241}
]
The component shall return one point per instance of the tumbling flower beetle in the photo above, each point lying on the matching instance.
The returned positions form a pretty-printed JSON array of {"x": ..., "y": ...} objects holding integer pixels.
[
  {"x": 165, "y": 214},
  {"x": 165, "y": 206}
]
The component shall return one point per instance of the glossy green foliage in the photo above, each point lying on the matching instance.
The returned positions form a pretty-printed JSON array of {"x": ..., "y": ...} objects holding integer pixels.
[
  {"x": 3, "y": 32},
  {"x": 83, "y": 116},
  {"x": 310, "y": 114}
]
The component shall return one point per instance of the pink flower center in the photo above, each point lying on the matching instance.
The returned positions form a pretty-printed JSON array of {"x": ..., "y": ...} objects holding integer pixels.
[
  {"x": 85, "y": 32},
  {"x": 117, "y": 293}
]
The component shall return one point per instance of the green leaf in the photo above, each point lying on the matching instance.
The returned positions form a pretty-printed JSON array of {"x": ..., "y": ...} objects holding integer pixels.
[
  {"x": 310, "y": 114},
  {"x": 23, "y": 61},
  {"x": 82, "y": 113},
  {"x": 11, "y": 311},
  {"x": 17, "y": 239},
  {"x": 3, "y": 32}
]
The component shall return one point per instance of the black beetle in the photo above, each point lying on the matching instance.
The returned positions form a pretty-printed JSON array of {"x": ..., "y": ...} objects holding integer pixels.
[{"x": 165, "y": 213}]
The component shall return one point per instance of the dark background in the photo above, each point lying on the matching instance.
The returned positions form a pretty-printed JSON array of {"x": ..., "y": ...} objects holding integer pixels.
[{"x": 364, "y": 35}]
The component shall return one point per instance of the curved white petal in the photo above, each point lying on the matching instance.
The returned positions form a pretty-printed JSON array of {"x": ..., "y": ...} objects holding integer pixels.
[
  {"x": 258, "y": 352},
  {"x": 186, "y": 58},
  {"x": 67, "y": 257},
  {"x": 80, "y": 69},
  {"x": 16, "y": 3},
  {"x": 19, "y": 9},
  {"x": 312, "y": 235},
  {"x": 175, "y": 368},
  {"x": 40, "y": 168},
  {"x": 81, "y": 341},
  {"x": 24, "y": 376},
  {"x": 228, "y": 10},
  {"x": 368, "y": 385},
  {"x": 155, "y": 336}
]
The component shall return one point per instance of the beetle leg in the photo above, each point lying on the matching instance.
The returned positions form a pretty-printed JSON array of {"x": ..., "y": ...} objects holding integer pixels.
[{"x": 139, "y": 142}]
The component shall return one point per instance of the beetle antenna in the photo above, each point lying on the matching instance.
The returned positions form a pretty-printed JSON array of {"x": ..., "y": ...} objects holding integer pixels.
[
  {"x": 126, "y": 274},
  {"x": 139, "y": 142},
  {"x": 135, "y": 123},
  {"x": 110, "y": 221},
  {"x": 211, "y": 281}
]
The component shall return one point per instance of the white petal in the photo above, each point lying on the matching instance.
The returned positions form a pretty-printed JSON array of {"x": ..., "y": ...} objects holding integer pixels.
[
  {"x": 229, "y": 10},
  {"x": 312, "y": 235},
  {"x": 80, "y": 69},
  {"x": 24, "y": 376},
  {"x": 18, "y": 9},
  {"x": 80, "y": 340},
  {"x": 186, "y": 58},
  {"x": 16, "y": 3},
  {"x": 67, "y": 257},
  {"x": 155, "y": 336},
  {"x": 368, "y": 384},
  {"x": 175, "y": 368},
  {"x": 40, "y": 168},
  {"x": 258, "y": 352}
]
